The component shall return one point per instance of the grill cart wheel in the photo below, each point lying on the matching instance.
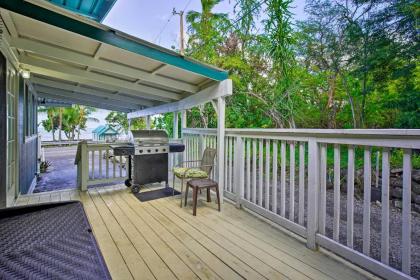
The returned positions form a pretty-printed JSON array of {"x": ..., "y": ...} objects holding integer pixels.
[
  {"x": 128, "y": 182},
  {"x": 135, "y": 188}
]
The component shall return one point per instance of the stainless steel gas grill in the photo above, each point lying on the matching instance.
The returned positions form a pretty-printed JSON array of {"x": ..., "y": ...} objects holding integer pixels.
[{"x": 147, "y": 157}]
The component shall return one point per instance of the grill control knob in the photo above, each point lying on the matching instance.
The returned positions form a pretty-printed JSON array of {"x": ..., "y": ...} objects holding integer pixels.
[
  {"x": 149, "y": 151},
  {"x": 157, "y": 150},
  {"x": 164, "y": 150},
  {"x": 141, "y": 151}
]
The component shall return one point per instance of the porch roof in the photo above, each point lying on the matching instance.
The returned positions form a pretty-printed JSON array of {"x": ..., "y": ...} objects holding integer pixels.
[
  {"x": 93, "y": 9},
  {"x": 74, "y": 59}
]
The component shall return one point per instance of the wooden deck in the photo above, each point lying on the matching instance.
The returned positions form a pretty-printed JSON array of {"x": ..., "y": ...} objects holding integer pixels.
[{"x": 160, "y": 240}]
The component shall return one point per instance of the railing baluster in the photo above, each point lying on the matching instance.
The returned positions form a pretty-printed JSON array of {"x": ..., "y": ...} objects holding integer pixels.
[
  {"x": 337, "y": 183},
  {"x": 301, "y": 183},
  {"x": 114, "y": 171},
  {"x": 226, "y": 162},
  {"x": 274, "y": 188},
  {"x": 100, "y": 162},
  {"x": 283, "y": 179},
  {"x": 313, "y": 192},
  {"x": 187, "y": 148},
  {"x": 260, "y": 173},
  {"x": 406, "y": 213},
  {"x": 267, "y": 174},
  {"x": 93, "y": 164},
  {"x": 367, "y": 182},
  {"x": 323, "y": 188},
  {"x": 231, "y": 165},
  {"x": 107, "y": 162},
  {"x": 385, "y": 207},
  {"x": 248, "y": 169},
  {"x": 239, "y": 167},
  {"x": 254, "y": 171},
  {"x": 378, "y": 154},
  {"x": 292, "y": 182},
  {"x": 350, "y": 196},
  {"x": 121, "y": 166}
]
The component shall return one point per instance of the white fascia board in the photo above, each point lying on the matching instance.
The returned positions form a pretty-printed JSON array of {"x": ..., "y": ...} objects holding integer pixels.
[{"x": 221, "y": 89}]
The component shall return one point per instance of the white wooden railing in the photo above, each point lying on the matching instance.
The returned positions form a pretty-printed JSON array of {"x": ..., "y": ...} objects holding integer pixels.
[
  {"x": 97, "y": 165},
  {"x": 282, "y": 175}
]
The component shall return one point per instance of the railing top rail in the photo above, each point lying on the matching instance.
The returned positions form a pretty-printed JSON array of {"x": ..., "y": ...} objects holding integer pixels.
[{"x": 325, "y": 133}]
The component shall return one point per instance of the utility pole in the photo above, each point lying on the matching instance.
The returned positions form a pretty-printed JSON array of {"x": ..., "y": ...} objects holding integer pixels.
[{"x": 181, "y": 29}]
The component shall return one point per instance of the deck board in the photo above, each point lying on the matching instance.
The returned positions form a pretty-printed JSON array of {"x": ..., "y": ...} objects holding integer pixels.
[{"x": 160, "y": 240}]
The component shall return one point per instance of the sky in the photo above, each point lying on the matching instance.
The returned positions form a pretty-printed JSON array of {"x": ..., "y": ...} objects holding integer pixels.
[{"x": 148, "y": 19}]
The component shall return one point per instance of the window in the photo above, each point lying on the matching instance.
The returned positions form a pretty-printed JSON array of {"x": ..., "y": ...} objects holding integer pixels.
[{"x": 30, "y": 111}]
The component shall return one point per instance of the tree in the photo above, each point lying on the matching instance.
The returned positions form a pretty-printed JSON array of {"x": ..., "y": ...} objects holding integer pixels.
[
  {"x": 71, "y": 120},
  {"x": 204, "y": 30},
  {"x": 51, "y": 123},
  {"x": 119, "y": 121}
]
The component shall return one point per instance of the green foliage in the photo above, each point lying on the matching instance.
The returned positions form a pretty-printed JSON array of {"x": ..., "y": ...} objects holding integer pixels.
[
  {"x": 349, "y": 64},
  {"x": 119, "y": 121},
  {"x": 70, "y": 120}
]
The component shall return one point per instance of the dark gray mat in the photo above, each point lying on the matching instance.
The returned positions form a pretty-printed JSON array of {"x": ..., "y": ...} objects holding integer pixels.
[
  {"x": 49, "y": 241},
  {"x": 156, "y": 194}
]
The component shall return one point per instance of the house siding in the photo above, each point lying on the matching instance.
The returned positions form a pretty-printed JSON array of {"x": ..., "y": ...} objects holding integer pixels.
[
  {"x": 28, "y": 146},
  {"x": 3, "y": 131}
]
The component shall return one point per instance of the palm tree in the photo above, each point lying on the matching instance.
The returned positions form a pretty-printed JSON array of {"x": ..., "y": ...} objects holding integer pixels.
[
  {"x": 50, "y": 124},
  {"x": 203, "y": 28}
]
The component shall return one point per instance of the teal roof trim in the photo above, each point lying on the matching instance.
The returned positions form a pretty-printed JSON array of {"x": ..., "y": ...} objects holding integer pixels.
[
  {"x": 112, "y": 38},
  {"x": 99, "y": 128},
  {"x": 105, "y": 129},
  {"x": 93, "y": 9}
]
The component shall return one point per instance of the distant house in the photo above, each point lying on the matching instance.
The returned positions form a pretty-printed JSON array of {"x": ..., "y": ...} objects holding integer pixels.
[{"x": 105, "y": 133}]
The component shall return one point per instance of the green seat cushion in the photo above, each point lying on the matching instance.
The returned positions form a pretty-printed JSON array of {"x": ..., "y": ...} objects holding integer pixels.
[{"x": 183, "y": 172}]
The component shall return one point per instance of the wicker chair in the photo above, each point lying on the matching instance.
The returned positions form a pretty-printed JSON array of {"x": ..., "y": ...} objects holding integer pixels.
[{"x": 201, "y": 170}]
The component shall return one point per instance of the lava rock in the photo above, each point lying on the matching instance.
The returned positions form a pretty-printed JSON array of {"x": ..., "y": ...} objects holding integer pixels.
[{"x": 396, "y": 192}]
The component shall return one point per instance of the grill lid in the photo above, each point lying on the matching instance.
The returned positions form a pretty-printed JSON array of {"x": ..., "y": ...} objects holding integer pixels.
[{"x": 144, "y": 136}]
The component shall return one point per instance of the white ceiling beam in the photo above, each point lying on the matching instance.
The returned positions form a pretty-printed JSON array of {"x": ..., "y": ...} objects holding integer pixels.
[
  {"x": 64, "y": 72},
  {"x": 82, "y": 102},
  {"x": 95, "y": 63},
  {"x": 92, "y": 92},
  {"x": 98, "y": 51},
  {"x": 5, "y": 15},
  {"x": 159, "y": 68},
  {"x": 81, "y": 96},
  {"x": 106, "y": 81},
  {"x": 53, "y": 103},
  {"x": 222, "y": 88}
]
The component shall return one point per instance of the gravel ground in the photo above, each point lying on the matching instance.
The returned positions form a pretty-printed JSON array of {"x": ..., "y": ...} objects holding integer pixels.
[{"x": 395, "y": 226}]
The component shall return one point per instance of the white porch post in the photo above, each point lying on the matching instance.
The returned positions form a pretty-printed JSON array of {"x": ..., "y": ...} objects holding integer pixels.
[
  {"x": 183, "y": 121},
  {"x": 175, "y": 128},
  {"x": 147, "y": 122},
  {"x": 220, "y": 144},
  {"x": 183, "y": 126},
  {"x": 173, "y": 157}
]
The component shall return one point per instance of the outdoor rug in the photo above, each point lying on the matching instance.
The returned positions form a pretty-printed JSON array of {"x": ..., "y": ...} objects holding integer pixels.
[
  {"x": 155, "y": 194},
  {"x": 49, "y": 241}
]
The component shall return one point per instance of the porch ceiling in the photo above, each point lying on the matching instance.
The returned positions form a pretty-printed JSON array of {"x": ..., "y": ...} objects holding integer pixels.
[{"x": 74, "y": 59}]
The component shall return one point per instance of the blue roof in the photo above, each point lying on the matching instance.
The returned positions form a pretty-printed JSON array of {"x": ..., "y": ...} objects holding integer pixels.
[
  {"x": 104, "y": 129},
  {"x": 93, "y": 9},
  {"x": 99, "y": 128}
]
